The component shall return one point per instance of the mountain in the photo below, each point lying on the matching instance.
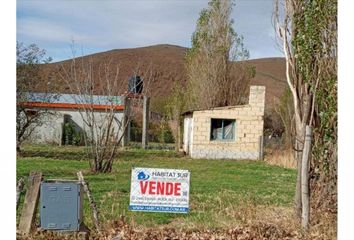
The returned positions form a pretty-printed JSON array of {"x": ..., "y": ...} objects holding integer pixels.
[{"x": 160, "y": 66}]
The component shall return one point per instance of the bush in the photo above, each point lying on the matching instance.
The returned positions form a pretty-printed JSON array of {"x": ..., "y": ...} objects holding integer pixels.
[
  {"x": 72, "y": 136},
  {"x": 164, "y": 133},
  {"x": 159, "y": 131}
]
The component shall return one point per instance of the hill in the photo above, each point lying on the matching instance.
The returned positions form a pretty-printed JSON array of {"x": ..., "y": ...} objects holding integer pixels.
[
  {"x": 270, "y": 72},
  {"x": 162, "y": 65}
]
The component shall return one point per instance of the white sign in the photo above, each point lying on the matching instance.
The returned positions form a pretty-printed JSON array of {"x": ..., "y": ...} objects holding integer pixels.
[{"x": 159, "y": 190}]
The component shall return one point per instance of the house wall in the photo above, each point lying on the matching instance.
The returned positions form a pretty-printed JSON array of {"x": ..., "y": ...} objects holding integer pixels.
[
  {"x": 249, "y": 128},
  {"x": 187, "y": 134},
  {"x": 51, "y": 129}
]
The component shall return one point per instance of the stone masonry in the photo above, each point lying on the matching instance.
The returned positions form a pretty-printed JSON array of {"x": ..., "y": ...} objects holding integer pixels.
[{"x": 248, "y": 129}]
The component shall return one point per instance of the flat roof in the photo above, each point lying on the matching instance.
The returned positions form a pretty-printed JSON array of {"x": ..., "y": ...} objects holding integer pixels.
[
  {"x": 71, "y": 106},
  {"x": 215, "y": 108},
  {"x": 72, "y": 101}
]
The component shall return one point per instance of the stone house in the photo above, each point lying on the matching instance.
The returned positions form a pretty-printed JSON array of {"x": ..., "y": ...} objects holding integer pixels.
[{"x": 233, "y": 132}]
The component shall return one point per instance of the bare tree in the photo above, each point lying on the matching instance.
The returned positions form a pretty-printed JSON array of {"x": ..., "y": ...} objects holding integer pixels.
[
  {"x": 216, "y": 78},
  {"x": 104, "y": 129},
  {"x": 28, "y": 82}
]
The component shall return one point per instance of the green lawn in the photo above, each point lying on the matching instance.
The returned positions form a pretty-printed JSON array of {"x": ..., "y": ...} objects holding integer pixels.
[{"x": 217, "y": 186}]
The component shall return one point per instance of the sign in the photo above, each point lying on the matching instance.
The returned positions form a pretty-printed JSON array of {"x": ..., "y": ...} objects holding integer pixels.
[{"x": 159, "y": 190}]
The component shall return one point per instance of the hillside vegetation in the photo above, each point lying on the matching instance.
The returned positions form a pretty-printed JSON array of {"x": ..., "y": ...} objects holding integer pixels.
[{"x": 163, "y": 65}]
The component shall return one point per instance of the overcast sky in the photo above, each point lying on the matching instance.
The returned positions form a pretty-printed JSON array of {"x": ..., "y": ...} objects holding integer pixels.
[{"x": 102, "y": 25}]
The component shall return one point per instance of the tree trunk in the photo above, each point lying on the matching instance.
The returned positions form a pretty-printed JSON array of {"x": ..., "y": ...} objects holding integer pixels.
[{"x": 305, "y": 193}]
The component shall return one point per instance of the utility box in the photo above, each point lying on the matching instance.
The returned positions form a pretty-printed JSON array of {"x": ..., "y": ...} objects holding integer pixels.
[{"x": 61, "y": 205}]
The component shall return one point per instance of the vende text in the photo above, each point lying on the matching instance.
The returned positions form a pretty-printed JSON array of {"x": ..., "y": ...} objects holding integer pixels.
[{"x": 160, "y": 188}]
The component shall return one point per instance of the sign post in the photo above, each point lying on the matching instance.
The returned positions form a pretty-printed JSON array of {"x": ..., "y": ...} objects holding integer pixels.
[{"x": 159, "y": 190}]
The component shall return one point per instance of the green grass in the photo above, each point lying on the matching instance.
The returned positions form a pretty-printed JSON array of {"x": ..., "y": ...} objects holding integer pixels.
[{"x": 216, "y": 185}]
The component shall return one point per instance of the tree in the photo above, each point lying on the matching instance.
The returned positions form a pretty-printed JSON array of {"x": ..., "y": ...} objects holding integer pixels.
[
  {"x": 28, "y": 81},
  {"x": 308, "y": 32},
  {"x": 104, "y": 130},
  {"x": 176, "y": 104},
  {"x": 214, "y": 77}
]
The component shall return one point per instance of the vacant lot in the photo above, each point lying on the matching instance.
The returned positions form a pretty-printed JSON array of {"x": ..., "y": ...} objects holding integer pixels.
[{"x": 219, "y": 189}]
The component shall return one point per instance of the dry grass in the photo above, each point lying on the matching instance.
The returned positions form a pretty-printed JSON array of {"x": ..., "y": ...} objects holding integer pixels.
[
  {"x": 323, "y": 226},
  {"x": 280, "y": 157},
  {"x": 251, "y": 222}
]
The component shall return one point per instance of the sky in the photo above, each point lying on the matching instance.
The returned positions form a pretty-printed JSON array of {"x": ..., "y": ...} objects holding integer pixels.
[{"x": 97, "y": 26}]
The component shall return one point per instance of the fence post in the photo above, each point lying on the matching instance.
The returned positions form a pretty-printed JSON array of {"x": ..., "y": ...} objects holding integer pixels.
[
  {"x": 29, "y": 208},
  {"x": 144, "y": 137},
  {"x": 91, "y": 201},
  {"x": 126, "y": 128}
]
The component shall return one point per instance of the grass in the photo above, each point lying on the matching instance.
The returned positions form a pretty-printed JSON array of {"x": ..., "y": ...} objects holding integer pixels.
[
  {"x": 217, "y": 186},
  {"x": 280, "y": 157}
]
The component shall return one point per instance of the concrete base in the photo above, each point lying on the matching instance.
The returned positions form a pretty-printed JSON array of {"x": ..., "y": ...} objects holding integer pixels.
[{"x": 220, "y": 154}]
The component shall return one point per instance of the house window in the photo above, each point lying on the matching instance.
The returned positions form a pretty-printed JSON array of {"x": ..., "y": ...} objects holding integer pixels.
[{"x": 222, "y": 129}]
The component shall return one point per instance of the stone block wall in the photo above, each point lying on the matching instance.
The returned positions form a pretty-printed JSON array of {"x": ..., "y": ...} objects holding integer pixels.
[{"x": 248, "y": 129}]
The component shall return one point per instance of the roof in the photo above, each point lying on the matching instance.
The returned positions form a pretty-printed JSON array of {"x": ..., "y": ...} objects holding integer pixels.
[
  {"x": 215, "y": 108},
  {"x": 70, "y": 106},
  {"x": 74, "y": 98},
  {"x": 72, "y": 101}
]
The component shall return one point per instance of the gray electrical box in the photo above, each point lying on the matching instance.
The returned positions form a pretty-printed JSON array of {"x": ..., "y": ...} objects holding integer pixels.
[{"x": 61, "y": 205}]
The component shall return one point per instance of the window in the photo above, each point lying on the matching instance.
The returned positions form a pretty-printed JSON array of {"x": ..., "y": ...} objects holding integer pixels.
[{"x": 222, "y": 129}]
